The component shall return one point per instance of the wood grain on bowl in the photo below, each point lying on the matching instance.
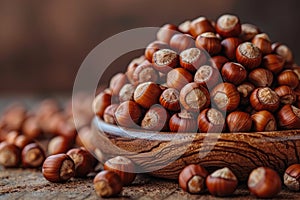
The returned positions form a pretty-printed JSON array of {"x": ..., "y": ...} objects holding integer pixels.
[{"x": 166, "y": 154}]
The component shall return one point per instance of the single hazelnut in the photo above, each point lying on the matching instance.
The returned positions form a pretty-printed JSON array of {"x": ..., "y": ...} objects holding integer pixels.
[
  {"x": 228, "y": 26},
  {"x": 191, "y": 59},
  {"x": 59, "y": 144},
  {"x": 13, "y": 117},
  {"x": 264, "y": 121},
  {"x": 286, "y": 94},
  {"x": 289, "y": 117},
  {"x": 147, "y": 94},
  {"x": 107, "y": 184},
  {"x": 248, "y": 55},
  {"x": 169, "y": 99},
  {"x": 179, "y": 77},
  {"x": 239, "y": 121},
  {"x": 218, "y": 61},
  {"x": 261, "y": 77},
  {"x": 210, "y": 42},
  {"x": 83, "y": 160},
  {"x": 291, "y": 177},
  {"x": 264, "y": 182},
  {"x": 100, "y": 102},
  {"x": 207, "y": 76},
  {"x": 31, "y": 128},
  {"x": 10, "y": 155},
  {"x": 33, "y": 156},
  {"x": 166, "y": 32},
  {"x": 234, "y": 73},
  {"x": 210, "y": 120},
  {"x": 21, "y": 141},
  {"x": 284, "y": 51},
  {"x": 122, "y": 166},
  {"x": 263, "y": 42},
  {"x": 156, "y": 119},
  {"x": 289, "y": 78},
  {"x": 194, "y": 97},
  {"x": 201, "y": 25},
  {"x": 225, "y": 96},
  {"x": 117, "y": 82},
  {"x": 245, "y": 89},
  {"x": 222, "y": 182},
  {"x": 229, "y": 46},
  {"x": 183, "y": 122},
  {"x": 128, "y": 114},
  {"x": 109, "y": 114},
  {"x": 264, "y": 98},
  {"x": 153, "y": 47},
  {"x": 248, "y": 32},
  {"x": 11, "y": 137},
  {"x": 132, "y": 66},
  {"x": 180, "y": 42},
  {"x": 58, "y": 168},
  {"x": 185, "y": 27},
  {"x": 165, "y": 60},
  {"x": 273, "y": 62},
  {"x": 144, "y": 72},
  {"x": 192, "y": 179}
]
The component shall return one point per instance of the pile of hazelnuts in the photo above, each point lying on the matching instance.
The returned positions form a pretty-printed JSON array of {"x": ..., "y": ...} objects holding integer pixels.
[{"x": 206, "y": 76}]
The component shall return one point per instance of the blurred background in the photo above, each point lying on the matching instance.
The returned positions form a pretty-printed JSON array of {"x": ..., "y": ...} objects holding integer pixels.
[{"x": 43, "y": 43}]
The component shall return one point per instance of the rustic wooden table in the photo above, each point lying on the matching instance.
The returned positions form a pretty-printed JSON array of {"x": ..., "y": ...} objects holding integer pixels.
[{"x": 30, "y": 184}]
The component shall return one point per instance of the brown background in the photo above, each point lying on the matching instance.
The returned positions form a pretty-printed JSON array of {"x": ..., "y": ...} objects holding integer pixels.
[{"x": 42, "y": 43}]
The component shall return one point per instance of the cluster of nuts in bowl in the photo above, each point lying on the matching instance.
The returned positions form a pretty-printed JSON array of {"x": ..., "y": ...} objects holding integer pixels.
[{"x": 206, "y": 76}]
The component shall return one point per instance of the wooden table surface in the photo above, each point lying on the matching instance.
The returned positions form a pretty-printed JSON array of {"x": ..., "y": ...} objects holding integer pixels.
[{"x": 30, "y": 184}]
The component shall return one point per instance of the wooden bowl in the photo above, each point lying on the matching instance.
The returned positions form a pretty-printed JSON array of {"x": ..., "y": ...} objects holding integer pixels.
[{"x": 166, "y": 154}]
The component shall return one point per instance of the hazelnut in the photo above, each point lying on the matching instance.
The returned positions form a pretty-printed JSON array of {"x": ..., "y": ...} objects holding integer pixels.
[
  {"x": 83, "y": 160},
  {"x": 200, "y": 25},
  {"x": 31, "y": 128},
  {"x": 264, "y": 98},
  {"x": 122, "y": 166},
  {"x": 210, "y": 120},
  {"x": 264, "y": 121},
  {"x": 283, "y": 51},
  {"x": 228, "y": 26},
  {"x": 59, "y": 144},
  {"x": 245, "y": 90},
  {"x": 248, "y": 55},
  {"x": 21, "y": 141},
  {"x": 289, "y": 78},
  {"x": 192, "y": 179},
  {"x": 156, "y": 119},
  {"x": 264, "y": 182},
  {"x": 261, "y": 77},
  {"x": 117, "y": 82},
  {"x": 218, "y": 61},
  {"x": 165, "y": 60},
  {"x": 147, "y": 94},
  {"x": 10, "y": 155},
  {"x": 286, "y": 94},
  {"x": 194, "y": 97},
  {"x": 225, "y": 96},
  {"x": 128, "y": 114},
  {"x": 58, "y": 168},
  {"x": 207, "y": 76},
  {"x": 234, "y": 73},
  {"x": 169, "y": 99},
  {"x": 263, "y": 42},
  {"x": 222, "y": 182},
  {"x": 179, "y": 77},
  {"x": 229, "y": 46},
  {"x": 183, "y": 122},
  {"x": 239, "y": 121},
  {"x": 248, "y": 32},
  {"x": 210, "y": 42},
  {"x": 291, "y": 177},
  {"x": 191, "y": 59},
  {"x": 144, "y": 72},
  {"x": 100, "y": 102},
  {"x": 180, "y": 42},
  {"x": 33, "y": 155},
  {"x": 107, "y": 184},
  {"x": 273, "y": 62},
  {"x": 166, "y": 32},
  {"x": 185, "y": 27},
  {"x": 153, "y": 47},
  {"x": 289, "y": 117},
  {"x": 109, "y": 114},
  {"x": 132, "y": 66}
]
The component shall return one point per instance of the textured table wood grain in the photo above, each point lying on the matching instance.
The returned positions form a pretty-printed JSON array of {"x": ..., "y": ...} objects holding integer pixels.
[{"x": 30, "y": 184}]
